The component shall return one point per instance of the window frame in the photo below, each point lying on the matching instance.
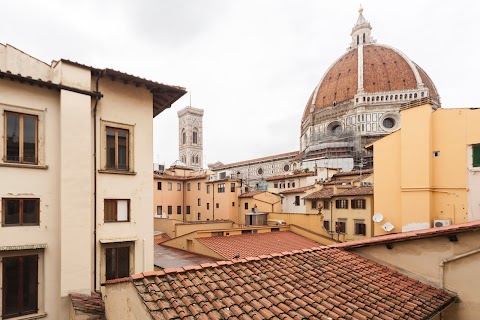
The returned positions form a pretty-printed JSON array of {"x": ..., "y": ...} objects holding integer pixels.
[
  {"x": 179, "y": 209},
  {"x": 130, "y": 167},
  {"x": 232, "y": 186},
  {"x": 159, "y": 185},
  {"x": 20, "y": 137},
  {"x": 221, "y": 187},
  {"x": 358, "y": 203},
  {"x": 475, "y": 155},
  {"x": 297, "y": 201},
  {"x": 179, "y": 186},
  {"x": 360, "y": 226},
  {"x": 20, "y": 218},
  {"x": 35, "y": 281},
  {"x": 188, "y": 209},
  {"x": 116, "y": 248},
  {"x": 326, "y": 204},
  {"x": 342, "y": 226},
  {"x": 188, "y": 186},
  {"x": 246, "y": 206},
  {"x": 314, "y": 204},
  {"x": 117, "y": 156},
  {"x": 169, "y": 210},
  {"x": 341, "y": 204},
  {"x": 116, "y": 206}
]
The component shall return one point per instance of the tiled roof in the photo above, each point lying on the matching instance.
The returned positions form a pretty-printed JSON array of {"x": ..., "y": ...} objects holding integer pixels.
[
  {"x": 257, "y": 160},
  {"x": 325, "y": 193},
  {"x": 161, "y": 238},
  {"x": 336, "y": 182},
  {"x": 353, "y": 173},
  {"x": 357, "y": 191},
  {"x": 253, "y": 245},
  {"x": 289, "y": 176},
  {"x": 412, "y": 235},
  {"x": 319, "y": 283},
  {"x": 362, "y": 177},
  {"x": 91, "y": 307},
  {"x": 251, "y": 194},
  {"x": 298, "y": 190}
]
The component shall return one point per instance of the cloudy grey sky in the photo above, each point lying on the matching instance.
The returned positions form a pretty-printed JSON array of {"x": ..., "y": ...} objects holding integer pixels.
[{"x": 250, "y": 64}]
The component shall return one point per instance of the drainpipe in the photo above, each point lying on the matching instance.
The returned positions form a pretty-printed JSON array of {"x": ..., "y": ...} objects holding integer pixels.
[
  {"x": 447, "y": 260},
  {"x": 213, "y": 201},
  {"x": 97, "y": 98}
]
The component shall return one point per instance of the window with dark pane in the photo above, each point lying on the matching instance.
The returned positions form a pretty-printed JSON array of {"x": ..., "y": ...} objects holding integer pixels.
[
  {"x": 20, "y": 286},
  {"x": 17, "y": 212},
  {"x": 116, "y": 210},
  {"x": 476, "y": 155},
  {"x": 117, "y": 262},
  {"x": 117, "y": 149},
  {"x": 21, "y": 138}
]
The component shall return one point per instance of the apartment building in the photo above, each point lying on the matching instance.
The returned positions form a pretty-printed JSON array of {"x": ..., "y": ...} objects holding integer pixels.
[{"x": 75, "y": 165}]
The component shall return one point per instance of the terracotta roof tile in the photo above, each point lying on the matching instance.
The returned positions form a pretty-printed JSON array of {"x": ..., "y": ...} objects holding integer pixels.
[
  {"x": 357, "y": 191},
  {"x": 316, "y": 284},
  {"x": 298, "y": 190},
  {"x": 353, "y": 173},
  {"x": 254, "y": 245},
  {"x": 259, "y": 160},
  {"x": 418, "y": 234},
  {"x": 325, "y": 193},
  {"x": 161, "y": 238},
  {"x": 91, "y": 305},
  {"x": 164, "y": 176},
  {"x": 251, "y": 194}
]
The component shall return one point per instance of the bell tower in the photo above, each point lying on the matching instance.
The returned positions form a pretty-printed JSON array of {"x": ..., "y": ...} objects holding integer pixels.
[{"x": 190, "y": 137}]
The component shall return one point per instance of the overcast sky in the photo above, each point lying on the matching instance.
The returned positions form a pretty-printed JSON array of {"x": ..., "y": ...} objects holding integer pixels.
[{"x": 250, "y": 64}]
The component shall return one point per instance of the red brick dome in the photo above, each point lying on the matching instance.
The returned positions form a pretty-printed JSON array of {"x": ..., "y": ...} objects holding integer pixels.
[{"x": 384, "y": 70}]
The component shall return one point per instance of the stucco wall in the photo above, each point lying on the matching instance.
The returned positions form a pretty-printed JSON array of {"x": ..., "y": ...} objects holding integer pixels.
[
  {"x": 313, "y": 222},
  {"x": 122, "y": 302},
  {"x": 420, "y": 259}
]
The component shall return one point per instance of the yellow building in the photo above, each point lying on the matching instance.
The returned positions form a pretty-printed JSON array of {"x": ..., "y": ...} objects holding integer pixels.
[
  {"x": 426, "y": 172},
  {"x": 180, "y": 193},
  {"x": 75, "y": 161}
]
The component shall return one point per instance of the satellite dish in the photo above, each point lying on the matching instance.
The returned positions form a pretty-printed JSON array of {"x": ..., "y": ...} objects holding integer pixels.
[
  {"x": 377, "y": 217},
  {"x": 388, "y": 226}
]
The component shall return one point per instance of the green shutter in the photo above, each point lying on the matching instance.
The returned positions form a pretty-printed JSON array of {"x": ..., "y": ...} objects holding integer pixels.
[{"x": 476, "y": 155}]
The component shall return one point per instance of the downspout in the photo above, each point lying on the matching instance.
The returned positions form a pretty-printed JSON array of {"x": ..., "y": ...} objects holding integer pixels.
[
  {"x": 97, "y": 98},
  {"x": 213, "y": 201},
  {"x": 447, "y": 260}
]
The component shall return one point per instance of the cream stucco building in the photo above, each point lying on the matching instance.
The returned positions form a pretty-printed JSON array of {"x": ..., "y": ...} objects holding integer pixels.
[
  {"x": 75, "y": 165},
  {"x": 426, "y": 173}
]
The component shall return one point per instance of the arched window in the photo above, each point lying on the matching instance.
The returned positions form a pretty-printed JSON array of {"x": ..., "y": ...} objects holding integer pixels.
[
  {"x": 195, "y": 136},
  {"x": 196, "y": 159},
  {"x": 184, "y": 137},
  {"x": 193, "y": 159}
]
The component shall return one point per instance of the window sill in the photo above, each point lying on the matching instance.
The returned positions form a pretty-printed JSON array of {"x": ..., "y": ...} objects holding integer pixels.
[
  {"x": 31, "y": 316},
  {"x": 23, "y": 165},
  {"x": 128, "y": 173}
]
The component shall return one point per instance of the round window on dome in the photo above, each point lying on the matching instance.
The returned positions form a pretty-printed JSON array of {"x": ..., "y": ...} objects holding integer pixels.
[
  {"x": 286, "y": 167},
  {"x": 388, "y": 123},
  {"x": 260, "y": 171}
]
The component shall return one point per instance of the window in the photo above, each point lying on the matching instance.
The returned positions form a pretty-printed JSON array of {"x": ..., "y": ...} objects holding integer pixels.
[
  {"x": 260, "y": 171},
  {"x": 208, "y": 188},
  {"x": 217, "y": 205},
  {"x": 436, "y": 154},
  {"x": 184, "y": 137},
  {"x": 293, "y": 184},
  {"x": 233, "y": 204},
  {"x": 275, "y": 184},
  {"x": 288, "y": 185},
  {"x": 169, "y": 186},
  {"x": 297, "y": 201},
  {"x": 341, "y": 204},
  {"x": 476, "y": 155},
  {"x": 20, "y": 285},
  {"x": 195, "y": 137},
  {"x": 21, "y": 138},
  {"x": 159, "y": 210},
  {"x": 326, "y": 225},
  {"x": 221, "y": 187},
  {"x": 326, "y": 204},
  {"x": 159, "y": 185},
  {"x": 188, "y": 209},
  {"x": 169, "y": 209},
  {"x": 358, "y": 204},
  {"x": 314, "y": 204},
  {"x": 116, "y": 210},
  {"x": 199, "y": 186},
  {"x": 188, "y": 186},
  {"x": 179, "y": 209},
  {"x": 179, "y": 187},
  {"x": 286, "y": 167},
  {"x": 117, "y": 149},
  {"x": 199, "y": 202},
  {"x": 341, "y": 227},
  {"x": 198, "y": 216},
  {"x": 20, "y": 212},
  {"x": 232, "y": 187},
  {"x": 208, "y": 206},
  {"x": 360, "y": 228},
  {"x": 246, "y": 205},
  {"x": 117, "y": 262}
]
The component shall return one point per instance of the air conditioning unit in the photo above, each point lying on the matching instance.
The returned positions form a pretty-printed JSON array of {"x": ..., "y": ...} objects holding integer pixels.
[
  {"x": 365, "y": 184},
  {"x": 442, "y": 223},
  {"x": 211, "y": 178}
]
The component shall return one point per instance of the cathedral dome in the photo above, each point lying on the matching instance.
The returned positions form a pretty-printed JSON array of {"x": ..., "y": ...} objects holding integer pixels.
[
  {"x": 359, "y": 97},
  {"x": 384, "y": 70}
]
